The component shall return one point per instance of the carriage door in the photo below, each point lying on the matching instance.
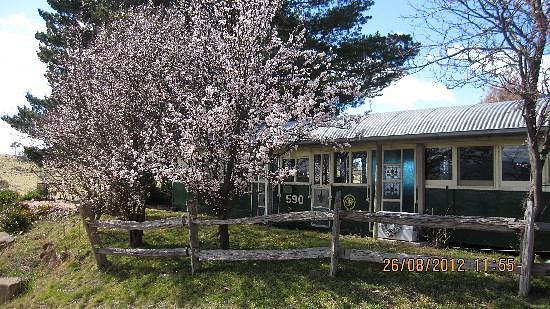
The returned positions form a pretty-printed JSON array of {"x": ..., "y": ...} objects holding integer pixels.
[
  {"x": 320, "y": 190},
  {"x": 258, "y": 198},
  {"x": 398, "y": 181}
]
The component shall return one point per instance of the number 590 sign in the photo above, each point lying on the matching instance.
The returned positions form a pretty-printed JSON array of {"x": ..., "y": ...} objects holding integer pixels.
[{"x": 294, "y": 199}]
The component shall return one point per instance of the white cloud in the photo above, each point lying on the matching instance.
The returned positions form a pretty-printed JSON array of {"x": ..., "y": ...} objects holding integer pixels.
[
  {"x": 409, "y": 93},
  {"x": 21, "y": 70}
]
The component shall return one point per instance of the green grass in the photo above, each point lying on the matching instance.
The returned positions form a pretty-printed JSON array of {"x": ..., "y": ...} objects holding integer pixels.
[{"x": 167, "y": 282}]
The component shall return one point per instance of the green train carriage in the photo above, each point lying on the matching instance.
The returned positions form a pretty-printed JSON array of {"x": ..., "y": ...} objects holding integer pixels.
[{"x": 465, "y": 160}]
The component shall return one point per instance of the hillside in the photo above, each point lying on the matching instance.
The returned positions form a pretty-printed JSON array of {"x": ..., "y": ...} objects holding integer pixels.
[
  {"x": 21, "y": 174},
  {"x": 55, "y": 258}
]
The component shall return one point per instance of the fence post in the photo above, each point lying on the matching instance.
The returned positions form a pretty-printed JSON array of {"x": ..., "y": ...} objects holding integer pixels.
[
  {"x": 378, "y": 188},
  {"x": 526, "y": 254},
  {"x": 192, "y": 213},
  {"x": 335, "y": 243},
  {"x": 93, "y": 237}
]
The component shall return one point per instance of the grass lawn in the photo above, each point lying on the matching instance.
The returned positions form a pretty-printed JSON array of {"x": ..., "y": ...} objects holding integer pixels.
[{"x": 168, "y": 283}]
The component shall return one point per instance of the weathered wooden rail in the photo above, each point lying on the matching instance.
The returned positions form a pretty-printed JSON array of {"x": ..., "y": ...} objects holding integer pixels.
[
  {"x": 168, "y": 223},
  {"x": 264, "y": 255},
  {"x": 278, "y": 218},
  {"x": 145, "y": 252},
  {"x": 497, "y": 224},
  {"x": 334, "y": 252}
]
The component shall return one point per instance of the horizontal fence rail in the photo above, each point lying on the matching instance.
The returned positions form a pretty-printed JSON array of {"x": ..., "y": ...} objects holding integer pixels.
[
  {"x": 429, "y": 262},
  {"x": 334, "y": 252},
  {"x": 145, "y": 252},
  {"x": 278, "y": 218},
  {"x": 173, "y": 222},
  {"x": 264, "y": 255},
  {"x": 539, "y": 269},
  {"x": 498, "y": 224},
  {"x": 433, "y": 221}
]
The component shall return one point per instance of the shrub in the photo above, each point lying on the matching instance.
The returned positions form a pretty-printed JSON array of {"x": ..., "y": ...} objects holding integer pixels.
[
  {"x": 15, "y": 218},
  {"x": 160, "y": 194},
  {"x": 34, "y": 154},
  {"x": 438, "y": 238},
  {"x": 38, "y": 194},
  {"x": 8, "y": 197},
  {"x": 4, "y": 184}
]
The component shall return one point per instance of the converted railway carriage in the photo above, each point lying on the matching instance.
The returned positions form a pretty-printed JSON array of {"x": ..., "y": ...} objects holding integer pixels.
[{"x": 465, "y": 160}]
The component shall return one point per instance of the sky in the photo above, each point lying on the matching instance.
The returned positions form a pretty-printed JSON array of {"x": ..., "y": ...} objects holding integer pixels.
[{"x": 21, "y": 71}]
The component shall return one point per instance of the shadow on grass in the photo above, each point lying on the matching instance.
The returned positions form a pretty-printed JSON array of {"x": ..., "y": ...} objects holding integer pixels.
[
  {"x": 303, "y": 283},
  {"x": 306, "y": 283}
]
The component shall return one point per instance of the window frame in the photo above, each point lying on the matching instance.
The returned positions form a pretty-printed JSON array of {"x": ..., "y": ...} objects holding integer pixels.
[
  {"x": 478, "y": 183},
  {"x": 453, "y": 162},
  {"x": 514, "y": 183},
  {"x": 349, "y": 160},
  {"x": 322, "y": 167},
  {"x": 295, "y": 177},
  {"x": 336, "y": 168},
  {"x": 454, "y": 167}
]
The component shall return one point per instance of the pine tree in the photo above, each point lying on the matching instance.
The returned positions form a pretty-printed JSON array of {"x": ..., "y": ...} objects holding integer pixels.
[
  {"x": 332, "y": 26},
  {"x": 336, "y": 26},
  {"x": 87, "y": 14}
]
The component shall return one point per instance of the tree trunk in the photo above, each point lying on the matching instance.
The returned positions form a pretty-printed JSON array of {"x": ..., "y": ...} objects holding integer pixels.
[
  {"x": 527, "y": 254},
  {"x": 535, "y": 192},
  {"x": 223, "y": 229},
  {"x": 136, "y": 236},
  {"x": 533, "y": 206}
]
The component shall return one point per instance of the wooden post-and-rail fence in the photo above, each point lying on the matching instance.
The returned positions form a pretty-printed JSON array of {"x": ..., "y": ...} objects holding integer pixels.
[{"x": 334, "y": 252}]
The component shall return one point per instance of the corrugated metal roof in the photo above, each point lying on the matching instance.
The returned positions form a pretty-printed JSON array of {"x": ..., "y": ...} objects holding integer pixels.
[{"x": 469, "y": 119}]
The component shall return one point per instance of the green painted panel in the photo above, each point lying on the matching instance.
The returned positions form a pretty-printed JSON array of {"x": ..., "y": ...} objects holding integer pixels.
[
  {"x": 354, "y": 198},
  {"x": 294, "y": 198},
  {"x": 485, "y": 203},
  {"x": 254, "y": 199},
  {"x": 240, "y": 206},
  {"x": 179, "y": 196}
]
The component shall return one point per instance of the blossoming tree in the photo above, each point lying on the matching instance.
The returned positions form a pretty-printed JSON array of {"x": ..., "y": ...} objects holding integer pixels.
[{"x": 202, "y": 92}]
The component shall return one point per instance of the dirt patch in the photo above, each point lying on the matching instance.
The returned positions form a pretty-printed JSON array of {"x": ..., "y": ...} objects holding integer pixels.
[{"x": 51, "y": 257}]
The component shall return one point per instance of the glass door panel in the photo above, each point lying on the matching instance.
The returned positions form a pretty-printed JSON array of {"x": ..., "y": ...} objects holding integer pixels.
[
  {"x": 262, "y": 211},
  {"x": 320, "y": 201},
  {"x": 320, "y": 190},
  {"x": 398, "y": 181}
]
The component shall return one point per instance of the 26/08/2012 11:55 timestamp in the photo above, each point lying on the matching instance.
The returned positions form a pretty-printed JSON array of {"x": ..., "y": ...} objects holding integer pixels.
[{"x": 437, "y": 264}]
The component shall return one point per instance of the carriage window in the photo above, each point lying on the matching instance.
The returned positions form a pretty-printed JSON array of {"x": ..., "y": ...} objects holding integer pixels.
[
  {"x": 341, "y": 167},
  {"x": 515, "y": 163},
  {"x": 359, "y": 167},
  {"x": 476, "y": 166},
  {"x": 439, "y": 163},
  {"x": 320, "y": 169},
  {"x": 317, "y": 169},
  {"x": 302, "y": 167},
  {"x": 324, "y": 175},
  {"x": 290, "y": 164}
]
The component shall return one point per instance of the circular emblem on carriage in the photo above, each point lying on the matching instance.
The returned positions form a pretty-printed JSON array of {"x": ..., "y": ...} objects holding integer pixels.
[{"x": 349, "y": 202}]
